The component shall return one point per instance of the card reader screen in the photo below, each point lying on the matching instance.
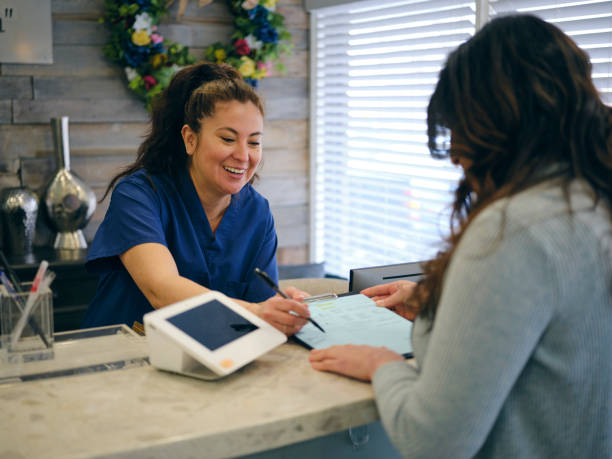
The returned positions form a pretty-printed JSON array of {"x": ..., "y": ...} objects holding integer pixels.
[{"x": 212, "y": 324}]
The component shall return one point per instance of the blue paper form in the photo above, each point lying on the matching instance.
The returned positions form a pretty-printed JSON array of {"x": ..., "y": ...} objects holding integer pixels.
[{"x": 355, "y": 319}]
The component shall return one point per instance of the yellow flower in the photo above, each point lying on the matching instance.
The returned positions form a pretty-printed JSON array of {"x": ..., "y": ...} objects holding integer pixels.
[
  {"x": 259, "y": 74},
  {"x": 220, "y": 55},
  {"x": 247, "y": 67},
  {"x": 270, "y": 4},
  {"x": 141, "y": 38},
  {"x": 159, "y": 60}
]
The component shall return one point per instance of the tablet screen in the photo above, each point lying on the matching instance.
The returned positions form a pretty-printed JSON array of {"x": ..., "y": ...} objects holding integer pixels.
[{"x": 212, "y": 324}]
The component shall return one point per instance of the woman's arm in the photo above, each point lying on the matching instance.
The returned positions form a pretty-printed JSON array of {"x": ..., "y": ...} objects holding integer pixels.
[
  {"x": 154, "y": 271},
  {"x": 359, "y": 362},
  {"x": 497, "y": 300},
  {"x": 493, "y": 311}
]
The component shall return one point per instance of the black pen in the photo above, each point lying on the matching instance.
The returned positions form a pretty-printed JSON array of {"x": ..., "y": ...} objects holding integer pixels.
[{"x": 268, "y": 280}]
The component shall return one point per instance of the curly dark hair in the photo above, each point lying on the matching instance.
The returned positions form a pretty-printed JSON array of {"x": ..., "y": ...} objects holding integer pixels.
[
  {"x": 191, "y": 96},
  {"x": 520, "y": 103}
]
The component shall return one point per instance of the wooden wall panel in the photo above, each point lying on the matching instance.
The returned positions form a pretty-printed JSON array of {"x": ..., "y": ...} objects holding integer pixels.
[
  {"x": 292, "y": 255},
  {"x": 79, "y": 88},
  {"x": 79, "y": 110},
  {"x": 296, "y": 65},
  {"x": 285, "y": 189},
  {"x": 68, "y": 60},
  {"x": 15, "y": 87},
  {"x": 285, "y": 134},
  {"x": 6, "y": 114},
  {"x": 107, "y": 122},
  {"x": 196, "y": 34},
  {"x": 278, "y": 161},
  {"x": 84, "y": 8},
  {"x": 285, "y": 98},
  {"x": 71, "y": 31},
  {"x": 28, "y": 141}
]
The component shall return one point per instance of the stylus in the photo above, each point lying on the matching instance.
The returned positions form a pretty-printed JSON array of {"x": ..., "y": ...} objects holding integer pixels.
[{"x": 268, "y": 280}]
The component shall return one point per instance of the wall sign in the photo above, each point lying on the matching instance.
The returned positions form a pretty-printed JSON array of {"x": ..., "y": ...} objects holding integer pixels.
[{"x": 25, "y": 32}]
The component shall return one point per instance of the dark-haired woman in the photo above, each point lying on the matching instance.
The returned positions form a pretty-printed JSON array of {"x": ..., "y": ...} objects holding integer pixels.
[
  {"x": 184, "y": 219},
  {"x": 513, "y": 334}
]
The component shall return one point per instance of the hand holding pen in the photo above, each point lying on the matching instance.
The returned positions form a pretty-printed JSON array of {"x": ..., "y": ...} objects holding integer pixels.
[{"x": 268, "y": 280}]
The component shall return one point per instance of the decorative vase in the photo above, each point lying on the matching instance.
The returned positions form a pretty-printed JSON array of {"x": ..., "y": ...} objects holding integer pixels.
[
  {"x": 69, "y": 201},
  {"x": 19, "y": 209}
]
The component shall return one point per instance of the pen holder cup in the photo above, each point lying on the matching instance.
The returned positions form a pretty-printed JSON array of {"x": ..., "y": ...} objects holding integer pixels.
[{"x": 26, "y": 338}]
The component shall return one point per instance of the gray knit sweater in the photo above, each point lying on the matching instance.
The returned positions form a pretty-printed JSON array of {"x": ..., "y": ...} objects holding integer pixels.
[{"x": 518, "y": 363}]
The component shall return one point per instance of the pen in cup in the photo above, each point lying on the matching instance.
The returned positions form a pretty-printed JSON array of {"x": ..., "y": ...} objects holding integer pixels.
[
  {"x": 11, "y": 279},
  {"x": 19, "y": 302},
  {"x": 268, "y": 280},
  {"x": 41, "y": 282}
]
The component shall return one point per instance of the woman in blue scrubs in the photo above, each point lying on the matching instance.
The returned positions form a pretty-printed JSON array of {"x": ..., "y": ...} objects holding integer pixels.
[{"x": 183, "y": 218}]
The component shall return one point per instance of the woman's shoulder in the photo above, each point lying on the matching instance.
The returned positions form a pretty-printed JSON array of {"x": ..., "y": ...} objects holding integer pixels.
[
  {"x": 250, "y": 197},
  {"x": 144, "y": 180},
  {"x": 546, "y": 214},
  {"x": 543, "y": 202}
]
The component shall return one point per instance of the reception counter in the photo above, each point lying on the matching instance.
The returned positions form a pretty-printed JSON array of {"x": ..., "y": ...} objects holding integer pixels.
[{"x": 275, "y": 401}]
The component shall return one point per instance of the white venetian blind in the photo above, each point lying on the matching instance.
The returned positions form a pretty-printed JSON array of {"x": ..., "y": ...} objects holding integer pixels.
[
  {"x": 378, "y": 196},
  {"x": 588, "y": 22}
]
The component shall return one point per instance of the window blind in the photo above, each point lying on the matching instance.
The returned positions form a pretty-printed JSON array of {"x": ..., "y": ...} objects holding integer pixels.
[
  {"x": 587, "y": 22},
  {"x": 378, "y": 196}
]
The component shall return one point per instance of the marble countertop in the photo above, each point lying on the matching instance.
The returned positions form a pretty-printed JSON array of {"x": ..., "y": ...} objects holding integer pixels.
[{"x": 143, "y": 412}]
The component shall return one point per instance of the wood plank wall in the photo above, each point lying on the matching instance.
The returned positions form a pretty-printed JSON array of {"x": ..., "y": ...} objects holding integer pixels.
[{"x": 107, "y": 122}]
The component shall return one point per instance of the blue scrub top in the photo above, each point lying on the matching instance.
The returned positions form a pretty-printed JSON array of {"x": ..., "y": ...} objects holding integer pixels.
[{"x": 152, "y": 208}]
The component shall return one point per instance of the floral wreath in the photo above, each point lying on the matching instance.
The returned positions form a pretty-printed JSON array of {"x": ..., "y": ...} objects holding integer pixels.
[{"x": 150, "y": 60}]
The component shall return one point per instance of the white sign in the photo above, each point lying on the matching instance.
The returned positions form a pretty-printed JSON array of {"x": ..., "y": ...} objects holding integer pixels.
[{"x": 25, "y": 32}]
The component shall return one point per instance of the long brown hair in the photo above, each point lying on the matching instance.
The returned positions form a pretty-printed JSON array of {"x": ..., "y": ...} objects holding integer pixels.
[
  {"x": 190, "y": 97},
  {"x": 518, "y": 98}
]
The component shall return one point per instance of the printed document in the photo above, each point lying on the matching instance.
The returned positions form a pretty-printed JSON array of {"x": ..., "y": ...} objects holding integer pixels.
[{"x": 355, "y": 319}]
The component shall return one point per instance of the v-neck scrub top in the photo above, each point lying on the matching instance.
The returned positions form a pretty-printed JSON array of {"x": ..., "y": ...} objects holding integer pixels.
[{"x": 154, "y": 209}]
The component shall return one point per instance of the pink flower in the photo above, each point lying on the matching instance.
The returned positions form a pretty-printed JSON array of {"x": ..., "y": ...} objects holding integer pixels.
[
  {"x": 149, "y": 81},
  {"x": 242, "y": 47},
  {"x": 261, "y": 65},
  {"x": 156, "y": 38}
]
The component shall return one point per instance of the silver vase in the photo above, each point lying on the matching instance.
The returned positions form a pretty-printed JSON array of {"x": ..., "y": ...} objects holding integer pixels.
[
  {"x": 19, "y": 209},
  {"x": 69, "y": 201}
]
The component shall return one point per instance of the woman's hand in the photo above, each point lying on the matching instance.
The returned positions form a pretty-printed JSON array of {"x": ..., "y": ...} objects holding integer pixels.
[
  {"x": 359, "y": 362},
  {"x": 288, "y": 316},
  {"x": 296, "y": 293},
  {"x": 394, "y": 296}
]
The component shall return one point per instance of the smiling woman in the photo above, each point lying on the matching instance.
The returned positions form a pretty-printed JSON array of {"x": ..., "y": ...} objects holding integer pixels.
[{"x": 183, "y": 218}]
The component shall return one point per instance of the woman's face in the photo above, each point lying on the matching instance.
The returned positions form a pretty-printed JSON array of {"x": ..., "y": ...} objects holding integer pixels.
[{"x": 226, "y": 152}]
